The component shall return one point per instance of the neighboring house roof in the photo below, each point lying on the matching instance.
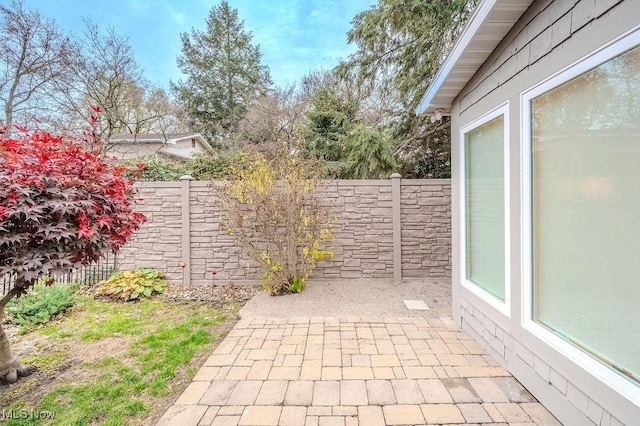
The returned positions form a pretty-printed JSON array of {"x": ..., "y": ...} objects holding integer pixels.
[
  {"x": 176, "y": 158},
  {"x": 488, "y": 25},
  {"x": 168, "y": 138}
]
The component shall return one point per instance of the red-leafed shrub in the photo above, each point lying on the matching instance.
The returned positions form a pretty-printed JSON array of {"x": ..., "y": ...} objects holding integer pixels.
[{"x": 61, "y": 206}]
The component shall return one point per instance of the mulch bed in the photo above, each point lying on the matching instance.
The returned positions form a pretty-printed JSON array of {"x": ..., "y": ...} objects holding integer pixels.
[{"x": 217, "y": 293}]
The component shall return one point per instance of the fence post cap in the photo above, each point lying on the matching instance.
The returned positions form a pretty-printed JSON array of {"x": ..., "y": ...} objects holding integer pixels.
[
  {"x": 186, "y": 177},
  {"x": 396, "y": 176}
]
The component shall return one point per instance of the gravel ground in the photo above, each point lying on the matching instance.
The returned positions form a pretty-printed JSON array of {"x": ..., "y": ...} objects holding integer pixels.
[{"x": 363, "y": 298}]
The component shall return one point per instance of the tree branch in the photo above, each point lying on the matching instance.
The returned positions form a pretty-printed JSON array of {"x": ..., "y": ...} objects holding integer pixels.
[
  {"x": 403, "y": 145},
  {"x": 3, "y": 302}
]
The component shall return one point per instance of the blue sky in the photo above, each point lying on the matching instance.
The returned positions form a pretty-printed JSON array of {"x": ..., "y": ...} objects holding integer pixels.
[{"x": 295, "y": 36}]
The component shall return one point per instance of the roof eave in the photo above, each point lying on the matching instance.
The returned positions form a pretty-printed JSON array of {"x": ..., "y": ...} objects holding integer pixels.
[
  {"x": 200, "y": 139},
  {"x": 444, "y": 87},
  {"x": 206, "y": 144}
]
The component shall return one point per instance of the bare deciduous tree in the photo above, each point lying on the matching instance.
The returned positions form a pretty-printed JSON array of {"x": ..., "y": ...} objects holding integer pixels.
[
  {"x": 33, "y": 53},
  {"x": 275, "y": 116},
  {"x": 107, "y": 75}
]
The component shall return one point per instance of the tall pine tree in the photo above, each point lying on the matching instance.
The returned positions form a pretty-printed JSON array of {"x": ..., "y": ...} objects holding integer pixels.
[
  {"x": 223, "y": 74},
  {"x": 401, "y": 44}
]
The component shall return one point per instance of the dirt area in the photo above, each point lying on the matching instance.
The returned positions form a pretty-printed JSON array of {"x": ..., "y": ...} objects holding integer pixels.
[{"x": 62, "y": 362}]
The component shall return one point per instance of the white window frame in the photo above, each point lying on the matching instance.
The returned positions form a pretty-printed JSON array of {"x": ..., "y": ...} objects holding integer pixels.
[
  {"x": 592, "y": 365},
  {"x": 490, "y": 299}
]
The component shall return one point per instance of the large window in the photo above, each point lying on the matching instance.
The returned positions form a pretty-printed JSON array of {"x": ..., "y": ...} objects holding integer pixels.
[
  {"x": 585, "y": 211},
  {"x": 484, "y": 206}
]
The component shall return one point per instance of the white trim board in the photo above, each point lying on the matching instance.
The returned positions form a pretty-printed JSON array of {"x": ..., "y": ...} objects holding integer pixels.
[{"x": 502, "y": 307}]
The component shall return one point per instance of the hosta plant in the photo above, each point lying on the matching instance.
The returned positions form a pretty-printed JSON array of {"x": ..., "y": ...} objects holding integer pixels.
[{"x": 132, "y": 285}]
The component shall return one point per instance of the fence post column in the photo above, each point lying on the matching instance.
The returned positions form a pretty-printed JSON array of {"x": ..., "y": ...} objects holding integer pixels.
[
  {"x": 397, "y": 227},
  {"x": 185, "y": 191}
]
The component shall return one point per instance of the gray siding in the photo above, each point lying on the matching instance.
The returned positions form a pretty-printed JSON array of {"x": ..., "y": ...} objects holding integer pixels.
[
  {"x": 549, "y": 37},
  {"x": 541, "y": 32}
]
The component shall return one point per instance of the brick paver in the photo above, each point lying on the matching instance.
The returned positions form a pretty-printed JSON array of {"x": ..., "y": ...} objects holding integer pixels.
[
  {"x": 380, "y": 392},
  {"x": 245, "y": 393},
  {"x": 188, "y": 415},
  {"x": 407, "y": 392},
  {"x": 193, "y": 393},
  {"x": 474, "y": 413},
  {"x": 350, "y": 372},
  {"x": 260, "y": 416},
  {"x": 403, "y": 415},
  {"x": 218, "y": 393},
  {"x": 326, "y": 393},
  {"x": 293, "y": 416},
  {"x": 442, "y": 414},
  {"x": 353, "y": 393},
  {"x": 299, "y": 393}
]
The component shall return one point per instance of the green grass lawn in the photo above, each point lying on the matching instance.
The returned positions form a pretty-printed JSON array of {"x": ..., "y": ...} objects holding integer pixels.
[{"x": 108, "y": 363}]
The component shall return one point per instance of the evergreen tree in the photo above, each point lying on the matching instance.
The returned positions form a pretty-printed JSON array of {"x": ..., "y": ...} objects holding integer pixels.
[
  {"x": 401, "y": 44},
  {"x": 370, "y": 155},
  {"x": 223, "y": 74},
  {"x": 330, "y": 120},
  {"x": 339, "y": 131}
]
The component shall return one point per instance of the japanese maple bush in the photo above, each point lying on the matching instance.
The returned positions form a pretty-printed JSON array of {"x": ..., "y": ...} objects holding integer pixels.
[{"x": 62, "y": 205}]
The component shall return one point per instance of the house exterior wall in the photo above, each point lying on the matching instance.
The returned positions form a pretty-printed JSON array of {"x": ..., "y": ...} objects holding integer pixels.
[
  {"x": 140, "y": 150},
  {"x": 130, "y": 151},
  {"x": 183, "y": 225},
  {"x": 549, "y": 37},
  {"x": 183, "y": 148}
]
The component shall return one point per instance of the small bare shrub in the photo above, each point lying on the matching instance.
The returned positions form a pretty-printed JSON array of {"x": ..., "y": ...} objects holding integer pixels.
[{"x": 274, "y": 213}]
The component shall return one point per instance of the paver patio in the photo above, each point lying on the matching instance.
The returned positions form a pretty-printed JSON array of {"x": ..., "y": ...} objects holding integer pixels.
[{"x": 353, "y": 371}]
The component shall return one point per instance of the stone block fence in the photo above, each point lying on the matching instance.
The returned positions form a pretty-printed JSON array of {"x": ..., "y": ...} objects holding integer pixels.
[{"x": 385, "y": 229}]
